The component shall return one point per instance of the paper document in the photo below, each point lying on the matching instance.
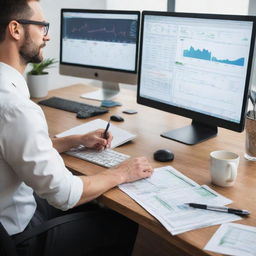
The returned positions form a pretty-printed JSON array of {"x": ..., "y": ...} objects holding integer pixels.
[
  {"x": 165, "y": 193},
  {"x": 120, "y": 136},
  {"x": 233, "y": 239}
]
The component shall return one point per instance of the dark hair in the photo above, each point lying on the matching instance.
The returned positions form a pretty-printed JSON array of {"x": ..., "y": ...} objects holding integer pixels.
[{"x": 13, "y": 10}]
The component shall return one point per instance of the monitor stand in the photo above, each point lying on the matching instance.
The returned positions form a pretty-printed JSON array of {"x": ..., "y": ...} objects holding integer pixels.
[
  {"x": 109, "y": 91},
  {"x": 192, "y": 134}
]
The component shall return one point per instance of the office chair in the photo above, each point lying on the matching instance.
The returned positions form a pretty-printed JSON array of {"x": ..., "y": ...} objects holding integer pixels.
[
  {"x": 7, "y": 247},
  {"x": 7, "y": 244}
]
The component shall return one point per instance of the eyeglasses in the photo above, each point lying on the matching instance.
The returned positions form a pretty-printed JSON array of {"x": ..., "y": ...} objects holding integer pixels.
[{"x": 45, "y": 25}]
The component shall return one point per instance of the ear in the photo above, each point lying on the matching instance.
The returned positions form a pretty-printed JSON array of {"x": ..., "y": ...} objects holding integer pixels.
[{"x": 15, "y": 30}]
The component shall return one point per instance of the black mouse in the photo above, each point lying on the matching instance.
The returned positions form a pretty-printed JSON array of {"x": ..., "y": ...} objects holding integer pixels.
[
  {"x": 163, "y": 155},
  {"x": 116, "y": 118}
]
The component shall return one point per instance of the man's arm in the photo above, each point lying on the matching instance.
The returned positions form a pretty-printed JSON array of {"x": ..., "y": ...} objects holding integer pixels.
[
  {"x": 95, "y": 185},
  {"x": 66, "y": 143}
]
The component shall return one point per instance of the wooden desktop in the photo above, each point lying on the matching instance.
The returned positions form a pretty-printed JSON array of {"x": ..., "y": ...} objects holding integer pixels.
[{"x": 193, "y": 161}]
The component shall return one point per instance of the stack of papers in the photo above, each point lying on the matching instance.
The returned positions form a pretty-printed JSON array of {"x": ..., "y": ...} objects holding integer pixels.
[
  {"x": 120, "y": 136},
  {"x": 233, "y": 239},
  {"x": 165, "y": 193}
]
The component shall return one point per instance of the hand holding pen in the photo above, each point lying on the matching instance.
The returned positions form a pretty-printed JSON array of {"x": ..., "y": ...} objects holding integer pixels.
[{"x": 98, "y": 140}]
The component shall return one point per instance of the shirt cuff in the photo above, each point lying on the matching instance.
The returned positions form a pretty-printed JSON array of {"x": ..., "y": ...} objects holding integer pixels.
[{"x": 76, "y": 191}]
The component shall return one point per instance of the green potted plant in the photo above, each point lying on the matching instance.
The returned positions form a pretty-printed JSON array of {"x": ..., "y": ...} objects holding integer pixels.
[{"x": 37, "y": 78}]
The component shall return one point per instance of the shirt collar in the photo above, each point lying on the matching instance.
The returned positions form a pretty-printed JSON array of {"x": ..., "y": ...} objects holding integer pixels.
[{"x": 15, "y": 78}]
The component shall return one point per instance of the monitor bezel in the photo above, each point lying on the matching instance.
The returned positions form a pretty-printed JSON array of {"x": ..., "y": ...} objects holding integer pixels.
[
  {"x": 197, "y": 116},
  {"x": 99, "y": 68}
]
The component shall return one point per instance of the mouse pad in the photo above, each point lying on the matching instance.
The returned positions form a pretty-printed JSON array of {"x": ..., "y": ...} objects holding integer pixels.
[{"x": 110, "y": 103}]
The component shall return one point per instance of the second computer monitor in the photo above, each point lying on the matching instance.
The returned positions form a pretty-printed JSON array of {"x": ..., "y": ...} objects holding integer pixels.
[
  {"x": 197, "y": 66},
  {"x": 100, "y": 44}
]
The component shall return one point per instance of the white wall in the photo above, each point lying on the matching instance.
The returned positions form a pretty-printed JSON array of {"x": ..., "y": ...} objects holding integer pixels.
[
  {"x": 156, "y": 5},
  {"x": 210, "y": 6},
  {"x": 252, "y": 7},
  {"x": 51, "y": 10}
]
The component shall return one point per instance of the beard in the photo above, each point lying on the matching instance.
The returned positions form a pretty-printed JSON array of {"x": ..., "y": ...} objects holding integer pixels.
[{"x": 29, "y": 51}]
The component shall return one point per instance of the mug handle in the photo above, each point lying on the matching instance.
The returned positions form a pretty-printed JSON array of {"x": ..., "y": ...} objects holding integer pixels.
[{"x": 233, "y": 171}]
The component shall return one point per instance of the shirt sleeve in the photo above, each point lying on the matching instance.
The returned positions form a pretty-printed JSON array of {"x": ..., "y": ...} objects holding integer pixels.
[{"x": 28, "y": 150}]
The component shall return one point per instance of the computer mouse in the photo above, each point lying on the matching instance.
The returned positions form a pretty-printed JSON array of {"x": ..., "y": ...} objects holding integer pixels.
[
  {"x": 116, "y": 118},
  {"x": 163, "y": 155}
]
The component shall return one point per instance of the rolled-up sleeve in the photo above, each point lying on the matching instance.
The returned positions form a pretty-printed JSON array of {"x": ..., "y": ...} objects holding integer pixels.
[{"x": 28, "y": 150}]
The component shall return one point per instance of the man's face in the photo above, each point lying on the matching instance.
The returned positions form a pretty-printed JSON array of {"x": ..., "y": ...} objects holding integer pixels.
[
  {"x": 34, "y": 39},
  {"x": 30, "y": 51}
]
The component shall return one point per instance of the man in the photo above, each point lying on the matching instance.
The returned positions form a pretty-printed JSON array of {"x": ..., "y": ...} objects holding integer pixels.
[{"x": 34, "y": 182}]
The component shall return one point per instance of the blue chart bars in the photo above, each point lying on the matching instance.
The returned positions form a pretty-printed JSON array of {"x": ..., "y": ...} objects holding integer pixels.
[
  {"x": 207, "y": 55},
  {"x": 107, "y": 30}
]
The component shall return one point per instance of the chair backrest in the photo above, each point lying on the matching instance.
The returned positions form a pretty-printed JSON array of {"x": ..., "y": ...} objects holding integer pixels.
[{"x": 7, "y": 247}]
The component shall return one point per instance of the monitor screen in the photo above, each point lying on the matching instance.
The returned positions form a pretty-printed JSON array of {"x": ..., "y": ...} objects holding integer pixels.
[
  {"x": 100, "y": 44},
  {"x": 197, "y": 66}
]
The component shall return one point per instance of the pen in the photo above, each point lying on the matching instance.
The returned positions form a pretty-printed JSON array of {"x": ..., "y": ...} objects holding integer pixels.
[
  {"x": 219, "y": 208},
  {"x": 106, "y": 131}
]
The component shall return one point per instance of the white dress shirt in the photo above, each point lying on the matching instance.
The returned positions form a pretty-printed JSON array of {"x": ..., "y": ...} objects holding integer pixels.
[{"x": 28, "y": 161}]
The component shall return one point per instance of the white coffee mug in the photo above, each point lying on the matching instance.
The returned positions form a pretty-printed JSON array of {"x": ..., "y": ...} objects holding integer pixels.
[{"x": 223, "y": 167}]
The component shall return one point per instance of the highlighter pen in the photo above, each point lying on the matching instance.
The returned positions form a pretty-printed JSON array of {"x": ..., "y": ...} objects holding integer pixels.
[{"x": 219, "y": 209}]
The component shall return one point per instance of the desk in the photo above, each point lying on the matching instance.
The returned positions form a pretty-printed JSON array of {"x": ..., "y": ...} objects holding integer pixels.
[{"x": 193, "y": 161}]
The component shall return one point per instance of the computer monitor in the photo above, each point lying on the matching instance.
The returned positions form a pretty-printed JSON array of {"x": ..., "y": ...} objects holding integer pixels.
[
  {"x": 100, "y": 44},
  {"x": 197, "y": 66}
]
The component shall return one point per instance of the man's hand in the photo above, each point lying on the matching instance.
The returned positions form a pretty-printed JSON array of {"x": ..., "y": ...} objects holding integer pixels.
[
  {"x": 134, "y": 169},
  {"x": 96, "y": 140},
  {"x": 93, "y": 140},
  {"x": 131, "y": 170}
]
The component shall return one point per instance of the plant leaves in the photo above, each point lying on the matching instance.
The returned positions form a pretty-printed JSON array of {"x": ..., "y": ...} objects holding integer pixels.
[{"x": 39, "y": 68}]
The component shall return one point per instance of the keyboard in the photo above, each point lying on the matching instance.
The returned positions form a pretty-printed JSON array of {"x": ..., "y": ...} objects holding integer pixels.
[
  {"x": 106, "y": 158},
  {"x": 81, "y": 109}
]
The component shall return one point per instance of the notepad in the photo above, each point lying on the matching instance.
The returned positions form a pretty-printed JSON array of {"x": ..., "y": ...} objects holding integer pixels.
[{"x": 120, "y": 136}]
